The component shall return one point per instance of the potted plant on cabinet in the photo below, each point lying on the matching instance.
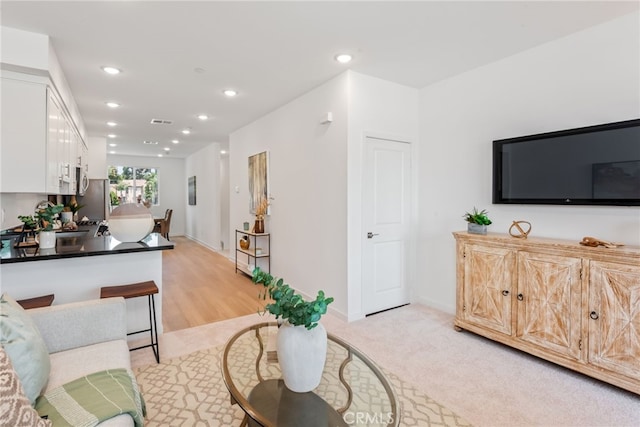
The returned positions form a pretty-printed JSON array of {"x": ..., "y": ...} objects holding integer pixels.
[
  {"x": 302, "y": 340},
  {"x": 477, "y": 221}
]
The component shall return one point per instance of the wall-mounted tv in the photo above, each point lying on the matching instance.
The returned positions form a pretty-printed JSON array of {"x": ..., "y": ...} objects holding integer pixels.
[{"x": 594, "y": 165}]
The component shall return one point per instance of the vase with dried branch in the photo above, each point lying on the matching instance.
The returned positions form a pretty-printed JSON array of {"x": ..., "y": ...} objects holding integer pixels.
[{"x": 261, "y": 211}]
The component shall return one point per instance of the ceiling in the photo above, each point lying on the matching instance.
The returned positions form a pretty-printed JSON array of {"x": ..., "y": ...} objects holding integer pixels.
[{"x": 177, "y": 57}]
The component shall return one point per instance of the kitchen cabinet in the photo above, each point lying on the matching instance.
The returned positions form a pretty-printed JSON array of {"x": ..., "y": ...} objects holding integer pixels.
[
  {"x": 38, "y": 137},
  {"x": 24, "y": 135},
  {"x": 488, "y": 277},
  {"x": 614, "y": 317},
  {"x": 573, "y": 305}
]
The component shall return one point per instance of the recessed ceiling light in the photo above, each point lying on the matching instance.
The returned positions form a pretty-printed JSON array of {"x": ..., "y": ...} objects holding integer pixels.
[
  {"x": 112, "y": 104},
  {"x": 186, "y": 131},
  {"x": 150, "y": 142},
  {"x": 230, "y": 93},
  {"x": 159, "y": 155},
  {"x": 223, "y": 152},
  {"x": 203, "y": 117},
  {"x": 113, "y": 145},
  {"x": 343, "y": 58},
  {"x": 112, "y": 124},
  {"x": 112, "y": 152},
  {"x": 175, "y": 141},
  {"x": 111, "y": 70},
  {"x": 112, "y": 135},
  {"x": 167, "y": 148}
]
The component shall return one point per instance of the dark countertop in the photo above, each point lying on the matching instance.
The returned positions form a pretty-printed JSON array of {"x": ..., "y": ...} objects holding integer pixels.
[{"x": 80, "y": 243}]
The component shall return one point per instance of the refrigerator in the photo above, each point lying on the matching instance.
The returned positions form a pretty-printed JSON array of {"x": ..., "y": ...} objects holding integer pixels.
[{"x": 96, "y": 201}]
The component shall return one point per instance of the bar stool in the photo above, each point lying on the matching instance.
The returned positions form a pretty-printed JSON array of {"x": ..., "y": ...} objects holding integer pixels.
[
  {"x": 135, "y": 290},
  {"x": 43, "y": 301}
]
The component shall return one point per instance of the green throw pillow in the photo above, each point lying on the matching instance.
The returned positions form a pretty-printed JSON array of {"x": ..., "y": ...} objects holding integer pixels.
[{"x": 21, "y": 340}]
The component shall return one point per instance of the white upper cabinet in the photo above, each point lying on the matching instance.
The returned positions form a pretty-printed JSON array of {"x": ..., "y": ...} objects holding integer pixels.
[
  {"x": 40, "y": 143},
  {"x": 23, "y": 152}
]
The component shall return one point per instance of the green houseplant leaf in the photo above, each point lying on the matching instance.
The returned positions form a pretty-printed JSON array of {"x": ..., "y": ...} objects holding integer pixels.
[
  {"x": 287, "y": 304},
  {"x": 477, "y": 217}
]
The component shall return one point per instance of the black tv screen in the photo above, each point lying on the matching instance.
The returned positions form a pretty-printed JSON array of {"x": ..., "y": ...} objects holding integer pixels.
[{"x": 594, "y": 165}]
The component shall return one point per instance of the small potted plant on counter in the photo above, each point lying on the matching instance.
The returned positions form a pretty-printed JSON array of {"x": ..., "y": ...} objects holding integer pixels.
[
  {"x": 43, "y": 224},
  {"x": 477, "y": 221}
]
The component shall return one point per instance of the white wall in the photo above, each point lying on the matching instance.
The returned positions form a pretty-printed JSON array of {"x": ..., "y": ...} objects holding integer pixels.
[
  {"x": 203, "y": 219},
  {"x": 588, "y": 78},
  {"x": 33, "y": 53},
  {"x": 387, "y": 110},
  {"x": 14, "y": 204},
  {"x": 315, "y": 179},
  {"x": 172, "y": 185},
  {"x": 97, "y": 146},
  {"x": 24, "y": 48},
  {"x": 308, "y": 175}
]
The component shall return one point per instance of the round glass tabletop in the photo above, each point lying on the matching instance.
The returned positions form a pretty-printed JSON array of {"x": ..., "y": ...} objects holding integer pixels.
[{"x": 353, "y": 390}]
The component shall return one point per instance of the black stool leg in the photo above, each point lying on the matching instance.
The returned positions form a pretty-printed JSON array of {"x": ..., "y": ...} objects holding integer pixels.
[{"x": 154, "y": 333}]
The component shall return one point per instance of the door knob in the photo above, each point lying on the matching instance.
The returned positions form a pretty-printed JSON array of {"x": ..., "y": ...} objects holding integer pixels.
[{"x": 370, "y": 235}]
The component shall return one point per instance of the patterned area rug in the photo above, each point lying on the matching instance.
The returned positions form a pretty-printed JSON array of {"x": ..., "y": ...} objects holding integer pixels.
[{"x": 189, "y": 391}]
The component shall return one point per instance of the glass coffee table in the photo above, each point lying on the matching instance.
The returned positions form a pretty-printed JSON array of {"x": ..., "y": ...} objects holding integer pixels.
[{"x": 353, "y": 390}]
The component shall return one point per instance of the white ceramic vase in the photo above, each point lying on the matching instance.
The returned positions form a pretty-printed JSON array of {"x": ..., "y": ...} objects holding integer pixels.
[
  {"x": 130, "y": 222},
  {"x": 301, "y": 355},
  {"x": 46, "y": 239}
]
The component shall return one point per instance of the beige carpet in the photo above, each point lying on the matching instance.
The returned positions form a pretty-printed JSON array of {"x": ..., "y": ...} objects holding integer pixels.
[
  {"x": 484, "y": 382},
  {"x": 189, "y": 391}
]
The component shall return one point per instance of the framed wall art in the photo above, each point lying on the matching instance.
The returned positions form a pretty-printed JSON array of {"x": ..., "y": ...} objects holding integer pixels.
[
  {"x": 258, "y": 180},
  {"x": 192, "y": 190}
]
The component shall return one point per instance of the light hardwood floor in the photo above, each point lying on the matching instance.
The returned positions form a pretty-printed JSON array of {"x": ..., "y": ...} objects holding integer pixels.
[{"x": 201, "y": 286}]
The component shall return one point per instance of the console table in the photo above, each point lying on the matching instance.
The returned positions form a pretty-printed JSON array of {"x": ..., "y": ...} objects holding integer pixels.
[
  {"x": 259, "y": 251},
  {"x": 573, "y": 305}
]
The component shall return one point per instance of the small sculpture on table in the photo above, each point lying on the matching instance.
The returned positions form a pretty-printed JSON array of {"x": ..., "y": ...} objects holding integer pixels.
[{"x": 520, "y": 232}]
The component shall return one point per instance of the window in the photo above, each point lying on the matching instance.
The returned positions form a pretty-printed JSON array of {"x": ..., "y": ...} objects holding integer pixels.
[{"x": 129, "y": 184}]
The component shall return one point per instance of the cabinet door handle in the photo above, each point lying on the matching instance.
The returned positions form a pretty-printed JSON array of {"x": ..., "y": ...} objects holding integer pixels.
[
  {"x": 594, "y": 315},
  {"x": 370, "y": 235},
  {"x": 520, "y": 297},
  {"x": 505, "y": 292}
]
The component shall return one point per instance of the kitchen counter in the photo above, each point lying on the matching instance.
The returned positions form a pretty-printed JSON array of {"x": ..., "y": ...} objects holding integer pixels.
[
  {"x": 81, "y": 243},
  {"x": 80, "y": 265}
]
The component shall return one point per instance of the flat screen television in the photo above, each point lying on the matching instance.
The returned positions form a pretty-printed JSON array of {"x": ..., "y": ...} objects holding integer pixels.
[{"x": 594, "y": 165}]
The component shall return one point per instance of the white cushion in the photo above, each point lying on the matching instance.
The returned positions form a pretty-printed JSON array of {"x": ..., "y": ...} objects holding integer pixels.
[
  {"x": 24, "y": 345},
  {"x": 72, "y": 364}
]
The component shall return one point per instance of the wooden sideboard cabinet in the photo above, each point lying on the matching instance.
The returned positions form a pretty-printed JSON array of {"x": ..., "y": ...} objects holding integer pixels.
[{"x": 573, "y": 305}]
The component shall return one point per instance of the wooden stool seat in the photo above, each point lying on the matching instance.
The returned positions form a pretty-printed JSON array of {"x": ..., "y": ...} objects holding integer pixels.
[
  {"x": 130, "y": 291},
  {"x": 43, "y": 301},
  {"x": 134, "y": 290}
]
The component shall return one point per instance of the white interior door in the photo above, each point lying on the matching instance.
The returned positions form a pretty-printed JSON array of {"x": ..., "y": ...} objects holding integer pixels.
[{"x": 386, "y": 214}]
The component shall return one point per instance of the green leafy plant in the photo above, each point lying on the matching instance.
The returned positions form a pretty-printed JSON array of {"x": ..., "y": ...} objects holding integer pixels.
[
  {"x": 30, "y": 223},
  {"x": 72, "y": 207},
  {"x": 44, "y": 217},
  {"x": 476, "y": 217},
  {"x": 287, "y": 304}
]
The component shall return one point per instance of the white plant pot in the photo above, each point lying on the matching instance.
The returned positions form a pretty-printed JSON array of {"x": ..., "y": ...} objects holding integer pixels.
[
  {"x": 66, "y": 217},
  {"x": 476, "y": 228},
  {"x": 301, "y": 355},
  {"x": 46, "y": 239}
]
